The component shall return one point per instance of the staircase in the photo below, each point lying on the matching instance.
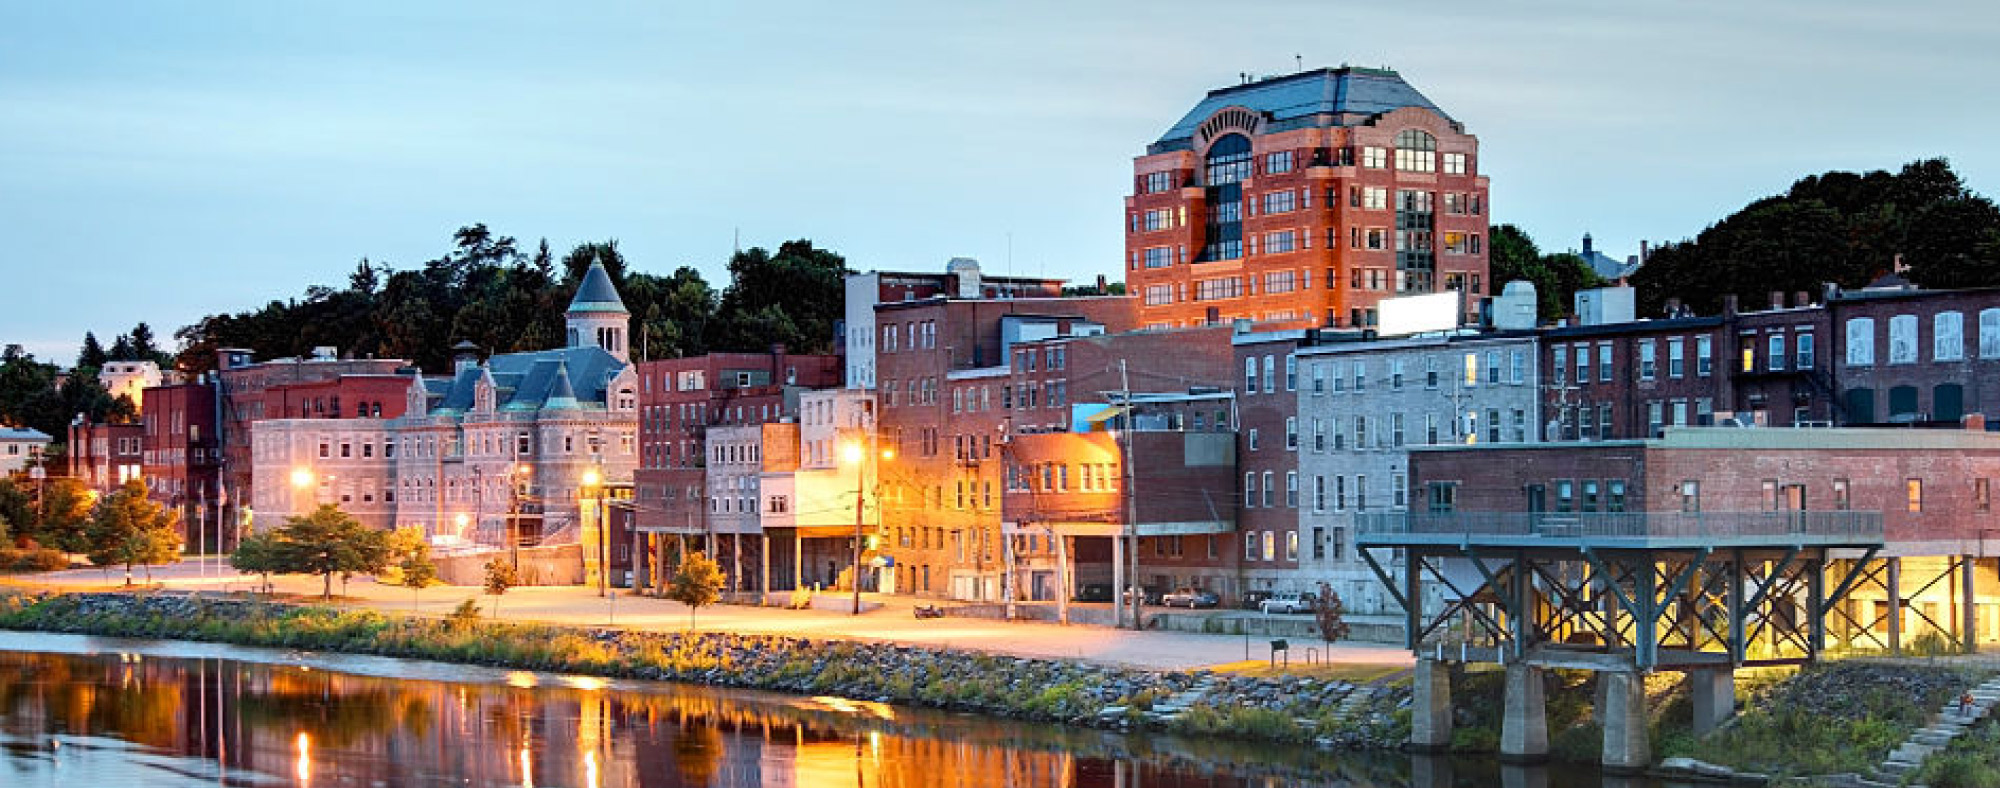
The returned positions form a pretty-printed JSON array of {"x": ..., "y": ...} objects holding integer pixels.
[{"x": 1904, "y": 761}]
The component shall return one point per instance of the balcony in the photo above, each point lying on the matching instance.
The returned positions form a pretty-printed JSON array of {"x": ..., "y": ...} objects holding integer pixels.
[{"x": 1621, "y": 529}]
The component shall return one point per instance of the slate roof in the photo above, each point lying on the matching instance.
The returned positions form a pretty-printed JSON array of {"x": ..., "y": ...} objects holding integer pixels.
[
  {"x": 567, "y": 378},
  {"x": 22, "y": 434},
  {"x": 1607, "y": 267},
  {"x": 596, "y": 293},
  {"x": 1293, "y": 101}
]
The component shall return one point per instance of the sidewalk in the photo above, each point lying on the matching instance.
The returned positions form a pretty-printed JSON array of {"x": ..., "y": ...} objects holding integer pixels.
[{"x": 893, "y": 622}]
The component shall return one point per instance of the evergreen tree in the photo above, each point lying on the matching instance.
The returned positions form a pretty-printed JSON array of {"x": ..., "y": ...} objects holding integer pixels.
[{"x": 92, "y": 356}]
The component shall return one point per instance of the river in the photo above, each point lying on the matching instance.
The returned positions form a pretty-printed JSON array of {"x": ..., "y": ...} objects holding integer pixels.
[{"x": 83, "y": 712}]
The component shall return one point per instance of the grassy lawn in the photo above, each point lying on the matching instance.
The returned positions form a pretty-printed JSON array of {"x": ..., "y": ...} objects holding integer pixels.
[{"x": 1323, "y": 671}]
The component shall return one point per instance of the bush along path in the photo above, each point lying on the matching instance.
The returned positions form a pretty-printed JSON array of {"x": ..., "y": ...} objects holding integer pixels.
[
  {"x": 1953, "y": 720},
  {"x": 1290, "y": 709}
]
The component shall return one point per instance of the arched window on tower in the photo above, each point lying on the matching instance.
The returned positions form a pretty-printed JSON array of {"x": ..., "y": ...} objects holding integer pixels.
[
  {"x": 1416, "y": 151},
  {"x": 1228, "y": 163}
]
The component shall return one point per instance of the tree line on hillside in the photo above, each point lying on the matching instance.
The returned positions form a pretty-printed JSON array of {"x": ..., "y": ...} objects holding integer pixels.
[
  {"x": 1840, "y": 227},
  {"x": 489, "y": 291}
]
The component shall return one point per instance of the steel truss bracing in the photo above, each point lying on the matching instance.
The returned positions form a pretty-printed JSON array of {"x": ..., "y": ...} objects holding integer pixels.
[{"x": 1660, "y": 607}]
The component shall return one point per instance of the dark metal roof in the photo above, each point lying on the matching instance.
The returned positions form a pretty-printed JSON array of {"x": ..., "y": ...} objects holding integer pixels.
[
  {"x": 1299, "y": 98},
  {"x": 531, "y": 381},
  {"x": 596, "y": 293}
]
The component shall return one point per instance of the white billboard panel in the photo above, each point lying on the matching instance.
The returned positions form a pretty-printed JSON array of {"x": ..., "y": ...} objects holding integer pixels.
[{"x": 1417, "y": 314}]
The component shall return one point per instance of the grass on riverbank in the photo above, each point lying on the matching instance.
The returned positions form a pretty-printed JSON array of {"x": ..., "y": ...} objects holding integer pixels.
[
  {"x": 1824, "y": 719},
  {"x": 1972, "y": 761},
  {"x": 1321, "y": 671}
]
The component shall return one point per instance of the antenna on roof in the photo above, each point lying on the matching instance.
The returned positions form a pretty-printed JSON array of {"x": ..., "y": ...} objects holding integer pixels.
[
  {"x": 1244, "y": 76},
  {"x": 1301, "y": 61}
]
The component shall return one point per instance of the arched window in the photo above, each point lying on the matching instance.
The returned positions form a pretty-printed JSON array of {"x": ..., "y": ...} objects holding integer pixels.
[
  {"x": 1228, "y": 163},
  {"x": 1416, "y": 151}
]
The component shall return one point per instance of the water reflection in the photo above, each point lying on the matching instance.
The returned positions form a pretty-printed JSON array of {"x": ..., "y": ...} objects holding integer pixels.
[{"x": 123, "y": 717}]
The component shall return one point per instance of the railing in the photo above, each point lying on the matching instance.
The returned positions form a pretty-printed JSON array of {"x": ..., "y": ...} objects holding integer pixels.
[{"x": 1779, "y": 525}]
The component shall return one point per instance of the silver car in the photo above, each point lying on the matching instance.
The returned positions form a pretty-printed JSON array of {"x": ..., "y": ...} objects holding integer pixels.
[{"x": 1287, "y": 602}]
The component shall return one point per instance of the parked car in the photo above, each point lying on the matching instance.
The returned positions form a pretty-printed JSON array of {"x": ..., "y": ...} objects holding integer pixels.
[
  {"x": 1145, "y": 596},
  {"x": 1191, "y": 598},
  {"x": 1253, "y": 599},
  {"x": 1093, "y": 592},
  {"x": 1287, "y": 602}
]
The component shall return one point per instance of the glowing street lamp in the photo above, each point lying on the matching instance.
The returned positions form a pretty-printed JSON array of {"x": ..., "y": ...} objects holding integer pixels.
[{"x": 854, "y": 452}]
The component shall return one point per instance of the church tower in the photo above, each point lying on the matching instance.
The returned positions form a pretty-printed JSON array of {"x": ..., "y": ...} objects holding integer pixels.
[{"x": 597, "y": 316}]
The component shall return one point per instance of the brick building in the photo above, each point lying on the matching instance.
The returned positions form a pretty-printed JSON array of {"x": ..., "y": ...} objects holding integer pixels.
[
  {"x": 242, "y": 387},
  {"x": 103, "y": 456},
  {"x": 1629, "y": 379},
  {"x": 1913, "y": 356},
  {"x": 1303, "y": 200},
  {"x": 183, "y": 457},
  {"x": 861, "y": 338},
  {"x": 934, "y": 352},
  {"x": 1933, "y": 490}
]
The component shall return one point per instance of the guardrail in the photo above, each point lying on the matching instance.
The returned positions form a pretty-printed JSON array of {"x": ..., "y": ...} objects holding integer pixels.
[{"x": 1859, "y": 526}]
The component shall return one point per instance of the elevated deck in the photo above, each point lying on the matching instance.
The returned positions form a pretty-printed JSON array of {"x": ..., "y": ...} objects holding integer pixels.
[{"x": 1576, "y": 532}]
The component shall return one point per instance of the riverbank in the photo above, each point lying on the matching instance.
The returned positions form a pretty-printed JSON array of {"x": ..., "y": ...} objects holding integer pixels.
[{"x": 1329, "y": 712}]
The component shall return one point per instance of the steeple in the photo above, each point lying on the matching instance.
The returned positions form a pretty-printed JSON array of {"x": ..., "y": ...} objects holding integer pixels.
[
  {"x": 562, "y": 396},
  {"x": 597, "y": 316}
]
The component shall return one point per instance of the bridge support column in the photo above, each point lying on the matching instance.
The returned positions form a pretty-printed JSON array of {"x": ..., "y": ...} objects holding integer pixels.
[
  {"x": 1524, "y": 726},
  {"x": 1430, "y": 706},
  {"x": 1714, "y": 694},
  {"x": 1626, "y": 747}
]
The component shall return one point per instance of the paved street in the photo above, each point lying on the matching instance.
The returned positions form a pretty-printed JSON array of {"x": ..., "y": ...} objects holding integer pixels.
[{"x": 893, "y": 622}]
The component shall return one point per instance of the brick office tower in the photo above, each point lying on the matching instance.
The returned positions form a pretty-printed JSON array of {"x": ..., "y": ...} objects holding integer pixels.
[{"x": 1302, "y": 201}]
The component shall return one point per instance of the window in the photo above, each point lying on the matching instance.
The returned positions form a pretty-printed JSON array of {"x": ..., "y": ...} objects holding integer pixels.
[
  {"x": 1292, "y": 545},
  {"x": 1989, "y": 333},
  {"x": 1982, "y": 495},
  {"x": 1291, "y": 433},
  {"x": 1374, "y": 158},
  {"x": 1690, "y": 496},
  {"x": 1250, "y": 490},
  {"x": 1582, "y": 363},
  {"x": 1278, "y": 162},
  {"x": 1281, "y": 202},
  {"x": 1648, "y": 363},
  {"x": 1860, "y": 341},
  {"x": 1614, "y": 495},
  {"x": 1903, "y": 339},
  {"x": 1270, "y": 374},
  {"x": 1270, "y": 489},
  {"x": 1913, "y": 491},
  {"x": 1775, "y": 354},
  {"x": 1842, "y": 500},
  {"x": 1292, "y": 489},
  {"x": 1561, "y": 366},
  {"x": 1270, "y": 545},
  {"x": 1158, "y": 256},
  {"x": 1604, "y": 362},
  {"x": 1517, "y": 367},
  {"x": 1291, "y": 373},
  {"x": 1250, "y": 375},
  {"x": 1704, "y": 355},
  {"x": 1454, "y": 164},
  {"x": 1249, "y": 545},
  {"x": 1319, "y": 435},
  {"x": 1565, "y": 496},
  {"x": 1805, "y": 351},
  {"x": 1374, "y": 198},
  {"x": 1947, "y": 336},
  {"x": 1319, "y": 379},
  {"x": 1590, "y": 495},
  {"x": 1443, "y": 497},
  {"x": 1676, "y": 357},
  {"x": 1416, "y": 151},
  {"x": 1155, "y": 182}
]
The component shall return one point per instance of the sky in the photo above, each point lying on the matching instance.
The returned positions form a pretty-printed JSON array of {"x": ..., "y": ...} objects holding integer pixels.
[{"x": 161, "y": 161}]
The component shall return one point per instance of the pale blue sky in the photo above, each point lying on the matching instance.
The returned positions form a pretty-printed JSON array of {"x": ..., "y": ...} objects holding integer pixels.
[{"x": 165, "y": 160}]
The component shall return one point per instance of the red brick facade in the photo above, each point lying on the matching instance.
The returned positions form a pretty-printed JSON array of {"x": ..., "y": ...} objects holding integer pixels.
[{"x": 183, "y": 454}]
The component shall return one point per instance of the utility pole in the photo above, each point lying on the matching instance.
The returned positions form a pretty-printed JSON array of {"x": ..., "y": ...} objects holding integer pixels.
[{"x": 1131, "y": 500}]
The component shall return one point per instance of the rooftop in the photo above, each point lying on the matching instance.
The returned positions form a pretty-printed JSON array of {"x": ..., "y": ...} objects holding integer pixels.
[{"x": 1322, "y": 97}]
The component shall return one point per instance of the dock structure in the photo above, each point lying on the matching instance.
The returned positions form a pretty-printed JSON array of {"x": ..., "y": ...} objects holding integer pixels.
[{"x": 1621, "y": 594}]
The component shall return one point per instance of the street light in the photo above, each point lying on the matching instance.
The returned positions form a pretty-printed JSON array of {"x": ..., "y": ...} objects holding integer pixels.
[{"x": 856, "y": 454}]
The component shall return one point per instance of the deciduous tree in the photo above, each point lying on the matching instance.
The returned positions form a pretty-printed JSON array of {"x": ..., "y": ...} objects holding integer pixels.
[
  {"x": 697, "y": 582},
  {"x": 128, "y": 528}
]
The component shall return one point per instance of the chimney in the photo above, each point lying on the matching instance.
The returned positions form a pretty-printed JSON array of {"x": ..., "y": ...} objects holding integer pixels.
[
  {"x": 1975, "y": 422},
  {"x": 1103, "y": 285},
  {"x": 1673, "y": 307},
  {"x": 1644, "y": 250},
  {"x": 1777, "y": 299},
  {"x": 1801, "y": 299},
  {"x": 1729, "y": 305},
  {"x": 1240, "y": 325}
]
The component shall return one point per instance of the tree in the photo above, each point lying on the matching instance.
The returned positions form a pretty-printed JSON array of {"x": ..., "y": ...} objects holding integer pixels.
[
  {"x": 697, "y": 582},
  {"x": 328, "y": 542},
  {"x": 500, "y": 576},
  {"x": 129, "y": 528},
  {"x": 793, "y": 297},
  {"x": 418, "y": 572},
  {"x": 1513, "y": 256},
  {"x": 92, "y": 356},
  {"x": 1330, "y": 614},
  {"x": 63, "y": 519},
  {"x": 259, "y": 554}
]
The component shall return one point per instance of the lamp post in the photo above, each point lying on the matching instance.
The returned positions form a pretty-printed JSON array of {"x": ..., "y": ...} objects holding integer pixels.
[
  {"x": 513, "y": 529},
  {"x": 857, "y": 454}
]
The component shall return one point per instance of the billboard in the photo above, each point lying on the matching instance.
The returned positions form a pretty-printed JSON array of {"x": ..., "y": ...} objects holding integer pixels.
[{"x": 1418, "y": 314}]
